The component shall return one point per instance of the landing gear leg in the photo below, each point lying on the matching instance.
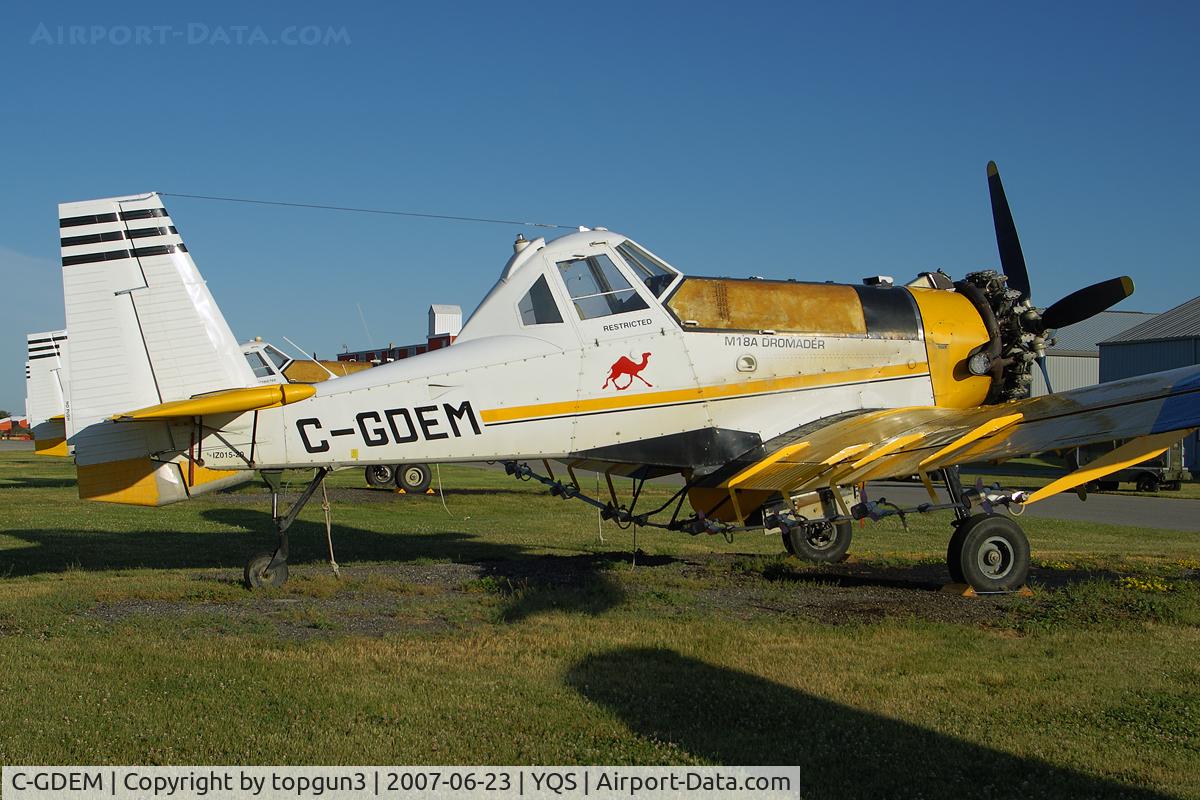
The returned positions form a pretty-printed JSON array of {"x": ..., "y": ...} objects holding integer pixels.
[
  {"x": 271, "y": 569},
  {"x": 954, "y": 489}
]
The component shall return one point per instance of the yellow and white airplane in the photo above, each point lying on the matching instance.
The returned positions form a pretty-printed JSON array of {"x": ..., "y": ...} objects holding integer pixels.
[{"x": 772, "y": 399}]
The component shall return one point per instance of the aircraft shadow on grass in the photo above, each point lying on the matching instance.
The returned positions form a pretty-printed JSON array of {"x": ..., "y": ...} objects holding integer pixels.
[
  {"x": 26, "y": 482},
  {"x": 732, "y": 717},
  {"x": 529, "y": 582}
]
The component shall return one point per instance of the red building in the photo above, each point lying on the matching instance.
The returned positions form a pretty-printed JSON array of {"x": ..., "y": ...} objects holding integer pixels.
[{"x": 445, "y": 322}]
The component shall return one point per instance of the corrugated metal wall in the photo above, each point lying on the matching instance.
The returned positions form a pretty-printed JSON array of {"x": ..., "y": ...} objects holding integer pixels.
[
  {"x": 1127, "y": 359},
  {"x": 1067, "y": 372}
]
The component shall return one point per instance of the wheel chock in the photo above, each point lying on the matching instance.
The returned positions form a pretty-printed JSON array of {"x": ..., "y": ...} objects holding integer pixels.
[
  {"x": 400, "y": 491},
  {"x": 430, "y": 491},
  {"x": 964, "y": 590}
]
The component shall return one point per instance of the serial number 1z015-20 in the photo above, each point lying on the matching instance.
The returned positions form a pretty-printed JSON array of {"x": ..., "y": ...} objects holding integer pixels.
[{"x": 394, "y": 426}]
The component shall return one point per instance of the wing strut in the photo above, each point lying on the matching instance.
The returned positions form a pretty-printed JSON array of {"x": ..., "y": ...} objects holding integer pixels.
[{"x": 1132, "y": 452}]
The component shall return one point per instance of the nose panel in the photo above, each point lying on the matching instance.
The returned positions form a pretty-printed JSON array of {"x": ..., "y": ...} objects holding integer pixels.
[{"x": 952, "y": 330}]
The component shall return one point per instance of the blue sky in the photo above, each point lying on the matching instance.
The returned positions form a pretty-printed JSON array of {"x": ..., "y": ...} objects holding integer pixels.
[{"x": 783, "y": 140}]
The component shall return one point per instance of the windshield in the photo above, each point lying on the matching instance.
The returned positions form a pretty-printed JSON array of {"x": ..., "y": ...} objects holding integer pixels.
[
  {"x": 279, "y": 359},
  {"x": 656, "y": 275}
]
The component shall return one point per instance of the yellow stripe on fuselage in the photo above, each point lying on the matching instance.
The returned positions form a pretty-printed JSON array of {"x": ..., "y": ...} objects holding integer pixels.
[{"x": 675, "y": 396}]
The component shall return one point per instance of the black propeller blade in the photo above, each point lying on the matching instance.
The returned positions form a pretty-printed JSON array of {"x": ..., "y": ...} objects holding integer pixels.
[
  {"x": 1087, "y": 302},
  {"x": 1012, "y": 261}
]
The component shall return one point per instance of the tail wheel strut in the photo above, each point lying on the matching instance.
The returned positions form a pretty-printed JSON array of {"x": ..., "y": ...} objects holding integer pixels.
[{"x": 270, "y": 569}]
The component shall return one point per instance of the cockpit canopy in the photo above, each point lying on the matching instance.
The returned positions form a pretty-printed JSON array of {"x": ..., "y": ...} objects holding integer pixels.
[{"x": 579, "y": 277}]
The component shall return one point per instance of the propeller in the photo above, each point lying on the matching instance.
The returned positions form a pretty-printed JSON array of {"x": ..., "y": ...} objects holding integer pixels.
[
  {"x": 1087, "y": 302},
  {"x": 1076, "y": 307},
  {"x": 1012, "y": 260}
]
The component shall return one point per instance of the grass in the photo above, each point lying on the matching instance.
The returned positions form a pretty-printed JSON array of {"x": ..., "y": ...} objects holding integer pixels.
[{"x": 507, "y": 631}]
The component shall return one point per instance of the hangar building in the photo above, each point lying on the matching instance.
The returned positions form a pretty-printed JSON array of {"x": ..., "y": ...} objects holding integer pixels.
[
  {"x": 1167, "y": 341},
  {"x": 1074, "y": 360}
]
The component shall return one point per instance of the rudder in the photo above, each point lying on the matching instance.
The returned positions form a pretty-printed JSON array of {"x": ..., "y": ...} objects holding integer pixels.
[{"x": 144, "y": 330}]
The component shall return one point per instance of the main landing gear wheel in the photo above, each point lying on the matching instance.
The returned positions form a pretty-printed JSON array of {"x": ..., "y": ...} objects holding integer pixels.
[
  {"x": 381, "y": 476},
  {"x": 818, "y": 541},
  {"x": 990, "y": 553},
  {"x": 259, "y": 573},
  {"x": 414, "y": 478}
]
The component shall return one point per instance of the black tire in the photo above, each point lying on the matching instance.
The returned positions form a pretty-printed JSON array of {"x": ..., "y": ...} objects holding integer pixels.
[
  {"x": 954, "y": 552},
  {"x": 381, "y": 476},
  {"x": 1109, "y": 486},
  {"x": 257, "y": 576},
  {"x": 994, "y": 553},
  {"x": 821, "y": 542},
  {"x": 414, "y": 478},
  {"x": 1147, "y": 483}
]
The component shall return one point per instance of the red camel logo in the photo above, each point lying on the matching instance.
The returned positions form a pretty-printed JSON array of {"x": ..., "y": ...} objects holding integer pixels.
[{"x": 628, "y": 368}]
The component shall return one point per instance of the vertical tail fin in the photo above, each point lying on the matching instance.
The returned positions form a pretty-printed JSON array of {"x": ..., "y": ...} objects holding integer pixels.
[
  {"x": 45, "y": 391},
  {"x": 144, "y": 330}
]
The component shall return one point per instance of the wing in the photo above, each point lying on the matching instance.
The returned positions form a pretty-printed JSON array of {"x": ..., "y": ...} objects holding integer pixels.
[{"x": 1153, "y": 410}]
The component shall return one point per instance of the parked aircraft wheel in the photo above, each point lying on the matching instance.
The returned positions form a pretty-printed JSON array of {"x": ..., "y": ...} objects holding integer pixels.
[
  {"x": 381, "y": 476},
  {"x": 414, "y": 478},
  {"x": 820, "y": 541},
  {"x": 993, "y": 553},
  {"x": 256, "y": 575},
  {"x": 1147, "y": 483},
  {"x": 787, "y": 542},
  {"x": 954, "y": 551}
]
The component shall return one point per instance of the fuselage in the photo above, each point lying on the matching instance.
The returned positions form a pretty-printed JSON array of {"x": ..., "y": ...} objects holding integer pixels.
[{"x": 591, "y": 349}]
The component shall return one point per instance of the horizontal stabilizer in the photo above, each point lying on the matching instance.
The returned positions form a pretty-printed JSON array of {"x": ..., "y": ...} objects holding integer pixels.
[{"x": 229, "y": 401}]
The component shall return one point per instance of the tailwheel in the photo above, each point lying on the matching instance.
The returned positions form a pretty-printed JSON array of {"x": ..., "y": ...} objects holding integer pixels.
[
  {"x": 990, "y": 553},
  {"x": 818, "y": 541},
  {"x": 270, "y": 569},
  {"x": 259, "y": 573}
]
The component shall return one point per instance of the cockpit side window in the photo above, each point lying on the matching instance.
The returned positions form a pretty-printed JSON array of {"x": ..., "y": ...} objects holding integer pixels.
[
  {"x": 597, "y": 287},
  {"x": 259, "y": 365},
  {"x": 656, "y": 275},
  {"x": 537, "y": 307}
]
